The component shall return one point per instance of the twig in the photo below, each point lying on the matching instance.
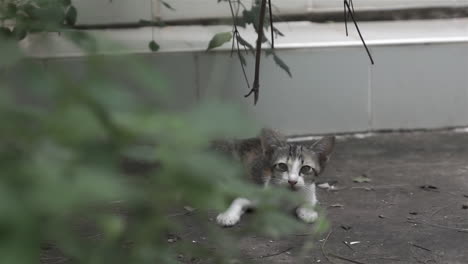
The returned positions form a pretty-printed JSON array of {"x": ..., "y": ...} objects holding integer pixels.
[
  {"x": 420, "y": 247},
  {"x": 323, "y": 246},
  {"x": 271, "y": 25},
  {"x": 346, "y": 244},
  {"x": 256, "y": 83},
  {"x": 463, "y": 230},
  {"x": 346, "y": 259},
  {"x": 274, "y": 254},
  {"x": 350, "y": 10}
]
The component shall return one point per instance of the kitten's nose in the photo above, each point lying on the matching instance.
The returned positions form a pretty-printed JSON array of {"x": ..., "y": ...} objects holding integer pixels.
[{"x": 292, "y": 183}]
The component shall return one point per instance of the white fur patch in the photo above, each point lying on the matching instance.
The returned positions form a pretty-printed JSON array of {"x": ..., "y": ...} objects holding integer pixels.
[
  {"x": 233, "y": 214},
  {"x": 308, "y": 215}
]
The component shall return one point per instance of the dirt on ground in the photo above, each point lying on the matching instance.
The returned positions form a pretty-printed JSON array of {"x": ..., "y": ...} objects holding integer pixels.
[{"x": 397, "y": 198}]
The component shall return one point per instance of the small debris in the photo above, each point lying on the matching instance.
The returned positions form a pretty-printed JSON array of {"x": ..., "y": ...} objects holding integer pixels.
[
  {"x": 172, "y": 238},
  {"x": 189, "y": 209},
  {"x": 465, "y": 195},
  {"x": 325, "y": 185},
  {"x": 346, "y": 227},
  {"x": 465, "y": 206},
  {"x": 354, "y": 242},
  {"x": 362, "y": 179},
  {"x": 382, "y": 216},
  {"x": 337, "y": 205},
  {"x": 329, "y": 186},
  {"x": 429, "y": 187},
  {"x": 413, "y": 213},
  {"x": 348, "y": 245}
]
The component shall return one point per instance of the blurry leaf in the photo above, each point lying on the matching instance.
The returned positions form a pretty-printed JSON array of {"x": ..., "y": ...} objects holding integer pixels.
[
  {"x": 278, "y": 32},
  {"x": 219, "y": 39},
  {"x": 321, "y": 225},
  {"x": 242, "y": 59},
  {"x": 65, "y": 2},
  {"x": 167, "y": 5},
  {"x": 281, "y": 64},
  {"x": 30, "y": 10},
  {"x": 245, "y": 43},
  {"x": 19, "y": 32},
  {"x": 71, "y": 16},
  {"x": 83, "y": 39},
  {"x": 5, "y": 33},
  {"x": 153, "y": 46},
  {"x": 11, "y": 9}
]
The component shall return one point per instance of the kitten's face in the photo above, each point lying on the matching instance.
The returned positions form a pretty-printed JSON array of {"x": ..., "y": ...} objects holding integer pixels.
[{"x": 295, "y": 165}]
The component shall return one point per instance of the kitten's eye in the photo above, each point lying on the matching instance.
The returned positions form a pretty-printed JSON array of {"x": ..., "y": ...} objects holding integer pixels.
[
  {"x": 282, "y": 167},
  {"x": 306, "y": 169}
]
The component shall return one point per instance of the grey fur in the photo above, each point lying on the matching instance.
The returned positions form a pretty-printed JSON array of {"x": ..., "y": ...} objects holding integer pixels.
[{"x": 270, "y": 160}]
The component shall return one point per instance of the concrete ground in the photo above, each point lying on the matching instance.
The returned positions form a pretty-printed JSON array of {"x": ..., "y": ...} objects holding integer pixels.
[{"x": 411, "y": 211}]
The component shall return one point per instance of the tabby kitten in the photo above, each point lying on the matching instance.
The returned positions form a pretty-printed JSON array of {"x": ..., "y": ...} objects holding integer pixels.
[{"x": 271, "y": 160}]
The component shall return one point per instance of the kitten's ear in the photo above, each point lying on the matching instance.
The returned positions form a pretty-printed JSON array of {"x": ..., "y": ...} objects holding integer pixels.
[
  {"x": 271, "y": 139},
  {"x": 324, "y": 147}
]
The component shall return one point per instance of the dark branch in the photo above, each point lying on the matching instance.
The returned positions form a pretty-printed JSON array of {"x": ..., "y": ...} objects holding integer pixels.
[
  {"x": 256, "y": 83},
  {"x": 272, "y": 29},
  {"x": 235, "y": 36},
  {"x": 351, "y": 13}
]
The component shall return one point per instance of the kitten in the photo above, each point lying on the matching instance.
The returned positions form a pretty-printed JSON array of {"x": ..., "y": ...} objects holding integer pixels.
[{"x": 271, "y": 160}]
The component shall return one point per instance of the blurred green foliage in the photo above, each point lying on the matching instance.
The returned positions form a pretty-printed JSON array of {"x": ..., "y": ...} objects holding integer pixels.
[
  {"x": 32, "y": 16},
  {"x": 94, "y": 159}
]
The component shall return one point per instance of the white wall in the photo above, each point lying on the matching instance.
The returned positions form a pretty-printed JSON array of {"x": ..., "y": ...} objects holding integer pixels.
[
  {"x": 419, "y": 80},
  {"x": 126, "y": 11}
]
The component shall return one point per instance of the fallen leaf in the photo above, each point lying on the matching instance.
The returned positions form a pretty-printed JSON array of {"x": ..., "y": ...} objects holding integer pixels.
[
  {"x": 361, "y": 179},
  {"x": 346, "y": 227},
  {"x": 428, "y": 187}
]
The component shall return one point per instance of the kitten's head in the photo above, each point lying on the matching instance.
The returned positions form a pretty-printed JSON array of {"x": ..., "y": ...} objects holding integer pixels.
[{"x": 295, "y": 165}]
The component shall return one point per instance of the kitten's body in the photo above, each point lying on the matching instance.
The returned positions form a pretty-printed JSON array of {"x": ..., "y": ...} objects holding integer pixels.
[{"x": 271, "y": 160}]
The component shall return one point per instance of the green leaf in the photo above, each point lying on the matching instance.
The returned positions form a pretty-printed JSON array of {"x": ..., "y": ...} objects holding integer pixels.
[
  {"x": 219, "y": 39},
  {"x": 153, "y": 46},
  {"x": 167, "y": 5},
  {"x": 282, "y": 64},
  {"x": 71, "y": 16},
  {"x": 361, "y": 179}
]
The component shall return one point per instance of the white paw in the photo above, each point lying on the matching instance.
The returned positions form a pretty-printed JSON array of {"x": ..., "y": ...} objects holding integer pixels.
[
  {"x": 307, "y": 215},
  {"x": 227, "y": 219}
]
